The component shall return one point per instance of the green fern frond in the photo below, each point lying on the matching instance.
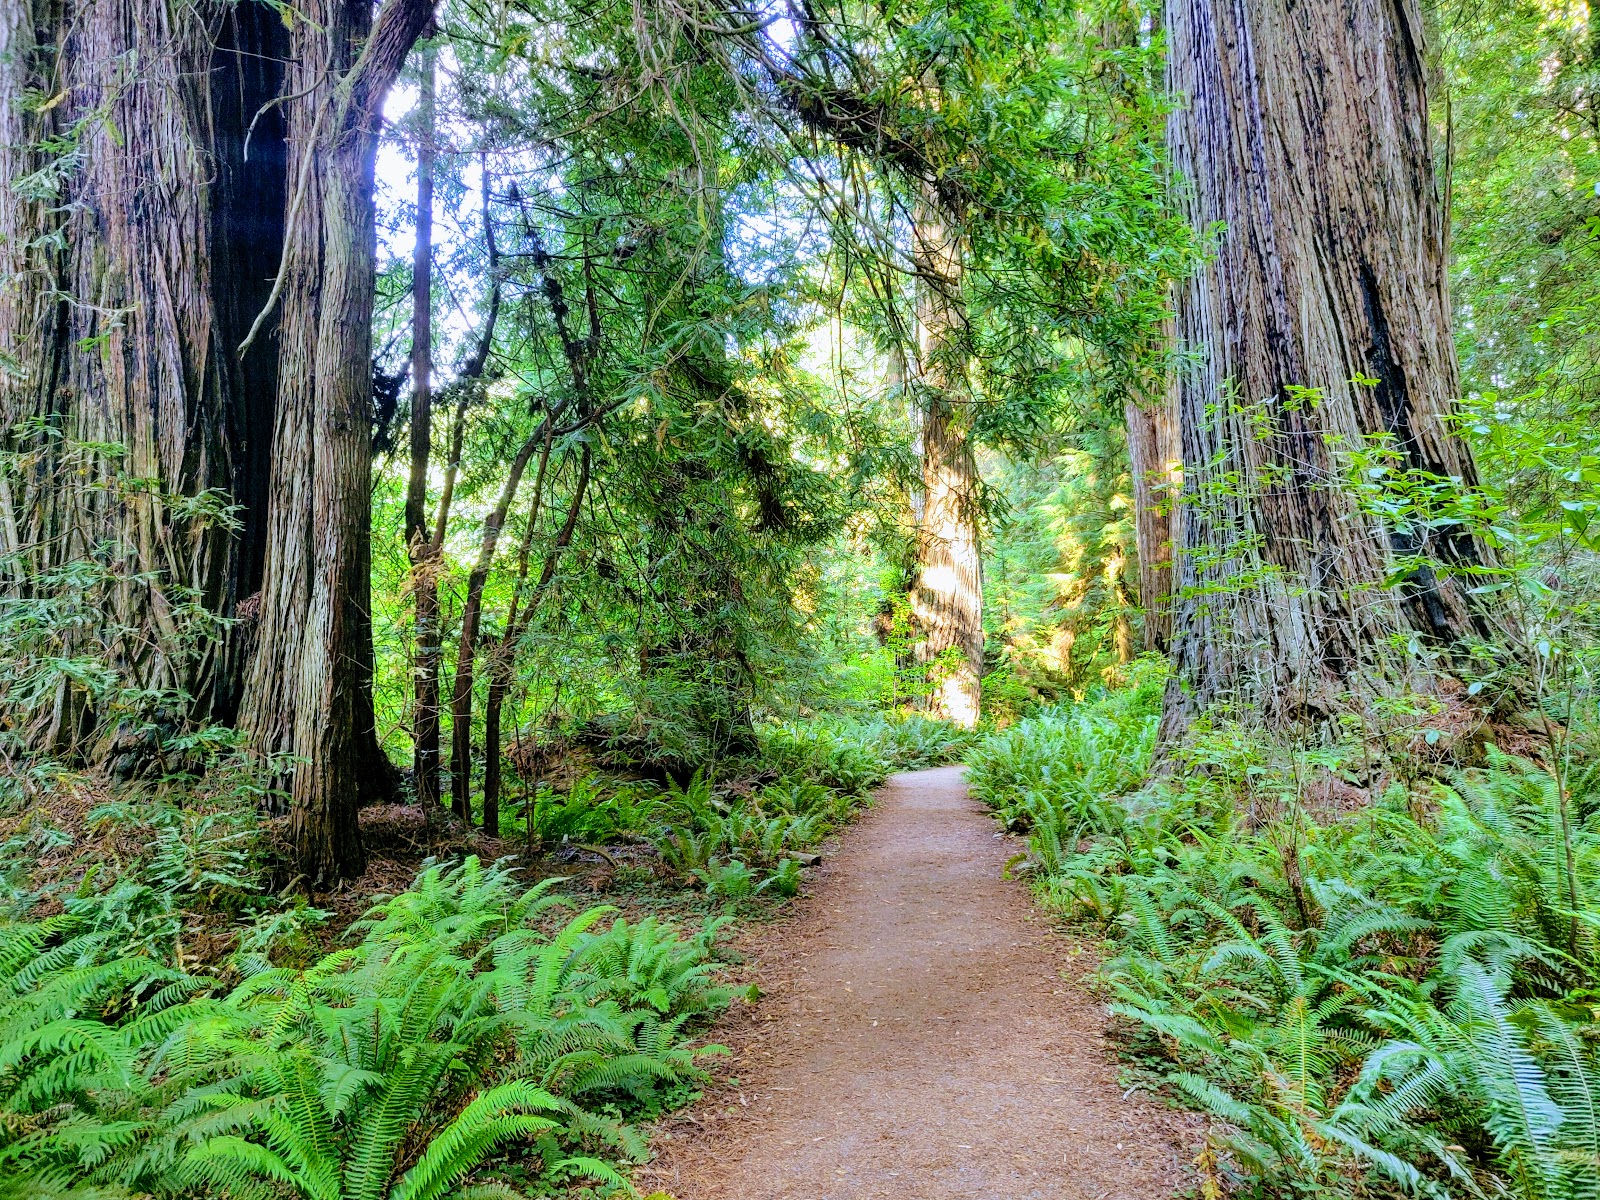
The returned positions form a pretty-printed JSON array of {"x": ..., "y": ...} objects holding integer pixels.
[{"x": 494, "y": 1117}]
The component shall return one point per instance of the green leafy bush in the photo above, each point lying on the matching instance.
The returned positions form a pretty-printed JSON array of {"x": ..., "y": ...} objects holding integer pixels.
[
  {"x": 855, "y": 754},
  {"x": 1400, "y": 999},
  {"x": 465, "y": 1019},
  {"x": 911, "y": 741},
  {"x": 838, "y": 753},
  {"x": 1060, "y": 772},
  {"x": 588, "y": 811},
  {"x": 738, "y": 845}
]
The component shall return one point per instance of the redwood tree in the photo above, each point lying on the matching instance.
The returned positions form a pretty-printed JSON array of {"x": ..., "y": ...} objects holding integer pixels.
[
  {"x": 310, "y": 693},
  {"x": 133, "y": 235},
  {"x": 947, "y": 603},
  {"x": 1302, "y": 133}
]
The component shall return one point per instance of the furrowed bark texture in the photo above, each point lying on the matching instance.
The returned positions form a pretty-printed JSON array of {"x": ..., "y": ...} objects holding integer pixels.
[
  {"x": 1303, "y": 129},
  {"x": 947, "y": 603},
  {"x": 310, "y": 693},
  {"x": 124, "y": 419},
  {"x": 250, "y": 152}
]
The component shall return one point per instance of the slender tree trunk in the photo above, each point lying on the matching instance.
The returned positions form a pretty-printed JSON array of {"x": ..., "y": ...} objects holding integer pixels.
[
  {"x": 493, "y": 706},
  {"x": 1302, "y": 133},
  {"x": 419, "y": 540},
  {"x": 502, "y": 663},
  {"x": 502, "y": 660},
  {"x": 947, "y": 605},
  {"x": 1155, "y": 460},
  {"x": 471, "y": 614},
  {"x": 310, "y": 690}
]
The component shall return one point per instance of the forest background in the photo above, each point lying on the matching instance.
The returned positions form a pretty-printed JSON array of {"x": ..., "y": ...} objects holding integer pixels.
[{"x": 543, "y": 425}]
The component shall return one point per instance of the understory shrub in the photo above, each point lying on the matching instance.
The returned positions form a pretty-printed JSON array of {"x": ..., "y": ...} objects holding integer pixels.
[
  {"x": 1399, "y": 999},
  {"x": 465, "y": 1021},
  {"x": 725, "y": 830},
  {"x": 1058, "y": 775},
  {"x": 737, "y": 845},
  {"x": 589, "y": 810},
  {"x": 823, "y": 768},
  {"x": 837, "y": 753},
  {"x": 856, "y": 754}
]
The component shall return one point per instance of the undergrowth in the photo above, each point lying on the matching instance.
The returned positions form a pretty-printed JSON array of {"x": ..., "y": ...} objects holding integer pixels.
[
  {"x": 470, "y": 1026},
  {"x": 170, "y": 1028},
  {"x": 1401, "y": 998},
  {"x": 747, "y": 827}
]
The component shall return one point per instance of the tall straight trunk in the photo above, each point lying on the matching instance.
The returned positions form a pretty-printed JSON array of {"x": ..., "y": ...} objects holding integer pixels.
[
  {"x": 123, "y": 421},
  {"x": 419, "y": 539},
  {"x": 1302, "y": 131},
  {"x": 471, "y": 617},
  {"x": 947, "y": 603},
  {"x": 1154, "y": 459},
  {"x": 310, "y": 688},
  {"x": 502, "y": 658}
]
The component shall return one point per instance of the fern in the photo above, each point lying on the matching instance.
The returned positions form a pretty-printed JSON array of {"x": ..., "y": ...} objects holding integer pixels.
[
  {"x": 394, "y": 1067},
  {"x": 1416, "y": 986}
]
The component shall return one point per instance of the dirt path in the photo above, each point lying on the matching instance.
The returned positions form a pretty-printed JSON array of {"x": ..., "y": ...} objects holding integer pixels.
[{"x": 919, "y": 1041}]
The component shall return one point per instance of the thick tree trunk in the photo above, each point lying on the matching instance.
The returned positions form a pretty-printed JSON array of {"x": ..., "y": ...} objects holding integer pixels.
[
  {"x": 947, "y": 604},
  {"x": 310, "y": 690},
  {"x": 420, "y": 545},
  {"x": 1155, "y": 459},
  {"x": 251, "y": 152},
  {"x": 1302, "y": 130},
  {"x": 122, "y": 418}
]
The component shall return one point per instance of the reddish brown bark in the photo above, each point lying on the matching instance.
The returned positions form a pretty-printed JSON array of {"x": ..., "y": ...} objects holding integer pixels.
[
  {"x": 1302, "y": 132},
  {"x": 309, "y": 693},
  {"x": 947, "y": 604},
  {"x": 121, "y": 270}
]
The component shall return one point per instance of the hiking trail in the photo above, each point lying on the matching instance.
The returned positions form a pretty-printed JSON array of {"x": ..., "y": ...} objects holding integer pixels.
[{"x": 923, "y": 1036}]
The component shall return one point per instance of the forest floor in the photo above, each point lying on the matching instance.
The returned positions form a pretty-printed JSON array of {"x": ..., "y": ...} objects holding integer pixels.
[{"x": 924, "y": 1035}]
